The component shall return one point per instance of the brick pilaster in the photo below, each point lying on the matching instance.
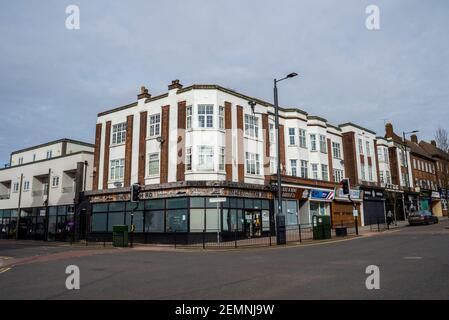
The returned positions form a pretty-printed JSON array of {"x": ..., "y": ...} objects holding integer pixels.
[
  {"x": 97, "y": 149},
  {"x": 228, "y": 137},
  {"x": 128, "y": 150},
  {"x": 142, "y": 147},
  {"x": 107, "y": 143},
  {"x": 165, "y": 125},
  {"x": 240, "y": 145},
  {"x": 181, "y": 143}
]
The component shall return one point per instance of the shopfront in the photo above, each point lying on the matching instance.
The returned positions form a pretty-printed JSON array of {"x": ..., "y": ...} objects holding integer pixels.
[
  {"x": 8, "y": 222},
  {"x": 394, "y": 202},
  {"x": 425, "y": 200},
  {"x": 342, "y": 208},
  {"x": 373, "y": 206},
  {"x": 444, "y": 205},
  {"x": 437, "y": 208},
  {"x": 319, "y": 203},
  {"x": 185, "y": 212}
]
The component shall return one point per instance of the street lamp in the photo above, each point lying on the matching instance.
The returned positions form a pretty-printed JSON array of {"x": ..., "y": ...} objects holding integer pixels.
[
  {"x": 280, "y": 223},
  {"x": 405, "y": 159}
]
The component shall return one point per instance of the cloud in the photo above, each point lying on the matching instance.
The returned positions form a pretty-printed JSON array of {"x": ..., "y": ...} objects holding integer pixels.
[{"x": 54, "y": 81}]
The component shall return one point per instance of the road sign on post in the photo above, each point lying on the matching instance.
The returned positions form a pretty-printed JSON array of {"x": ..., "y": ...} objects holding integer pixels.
[{"x": 218, "y": 201}]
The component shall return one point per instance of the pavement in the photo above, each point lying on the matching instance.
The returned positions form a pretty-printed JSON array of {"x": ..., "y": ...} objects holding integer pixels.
[{"x": 413, "y": 264}]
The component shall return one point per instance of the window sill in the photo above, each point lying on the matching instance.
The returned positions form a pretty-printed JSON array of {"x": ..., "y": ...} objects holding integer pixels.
[
  {"x": 152, "y": 176},
  {"x": 253, "y": 139},
  {"x": 153, "y": 137},
  {"x": 117, "y": 145},
  {"x": 254, "y": 176}
]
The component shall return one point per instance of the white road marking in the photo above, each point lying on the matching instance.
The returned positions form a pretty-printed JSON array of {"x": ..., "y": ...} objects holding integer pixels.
[
  {"x": 412, "y": 258},
  {"x": 2, "y": 270}
]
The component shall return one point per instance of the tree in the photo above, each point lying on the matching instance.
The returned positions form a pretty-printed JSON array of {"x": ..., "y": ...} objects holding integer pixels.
[{"x": 442, "y": 140}]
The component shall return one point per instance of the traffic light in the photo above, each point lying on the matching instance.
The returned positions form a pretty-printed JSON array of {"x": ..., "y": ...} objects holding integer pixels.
[
  {"x": 345, "y": 185},
  {"x": 135, "y": 192}
]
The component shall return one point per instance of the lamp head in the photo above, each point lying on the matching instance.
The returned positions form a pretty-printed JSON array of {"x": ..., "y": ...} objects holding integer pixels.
[{"x": 291, "y": 75}]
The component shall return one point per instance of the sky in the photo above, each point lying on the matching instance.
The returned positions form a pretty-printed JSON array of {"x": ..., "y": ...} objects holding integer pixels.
[{"x": 54, "y": 80}]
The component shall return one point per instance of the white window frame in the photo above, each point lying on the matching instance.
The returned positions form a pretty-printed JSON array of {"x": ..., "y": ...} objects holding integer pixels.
[
  {"x": 26, "y": 186},
  {"x": 205, "y": 116},
  {"x": 221, "y": 159},
  {"x": 55, "y": 181},
  {"x": 360, "y": 143},
  {"x": 368, "y": 148},
  {"x": 15, "y": 187},
  {"x": 155, "y": 125},
  {"x": 294, "y": 167},
  {"x": 252, "y": 163},
  {"x": 370, "y": 173},
  {"x": 49, "y": 154},
  {"x": 323, "y": 143},
  {"x": 336, "y": 150},
  {"x": 154, "y": 157},
  {"x": 188, "y": 158},
  {"x": 362, "y": 171},
  {"x": 271, "y": 129},
  {"x": 315, "y": 175},
  {"x": 20, "y": 160},
  {"x": 304, "y": 172},
  {"x": 189, "y": 117},
  {"x": 302, "y": 138},
  {"x": 251, "y": 126},
  {"x": 325, "y": 172},
  {"x": 117, "y": 169},
  {"x": 221, "y": 120},
  {"x": 118, "y": 133},
  {"x": 292, "y": 136},
  {"x": 205, "y": 158},
  {"x": 313, "y": 145}
]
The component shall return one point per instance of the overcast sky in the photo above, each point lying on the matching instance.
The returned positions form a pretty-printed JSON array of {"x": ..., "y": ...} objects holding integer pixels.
[{"x": 54, "y": 81}]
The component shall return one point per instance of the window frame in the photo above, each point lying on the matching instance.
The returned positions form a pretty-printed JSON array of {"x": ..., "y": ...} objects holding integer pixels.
[
  {"x": 154, "y": 129},
  {"x": 150, "y": 160}
]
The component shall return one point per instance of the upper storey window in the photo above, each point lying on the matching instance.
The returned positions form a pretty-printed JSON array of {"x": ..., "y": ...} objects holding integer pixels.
[
  {"x": 119, "y": 133},
  {"x": 205, "y": 116},
  {"x": 155, "y": 125},
  {"x": 189, "y": 117},
  {"x": 251, "y": 126}
]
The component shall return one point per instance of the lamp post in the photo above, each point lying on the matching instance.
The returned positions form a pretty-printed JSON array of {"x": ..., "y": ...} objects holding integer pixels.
[
  {"x": 280, "y": 223},
  {"x": 405, "y": 159}
]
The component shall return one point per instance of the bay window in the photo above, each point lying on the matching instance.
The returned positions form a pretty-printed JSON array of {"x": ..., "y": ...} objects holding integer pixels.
[
  {"x": 205, "y": 158},
  {"x": 117, "y": 169}
]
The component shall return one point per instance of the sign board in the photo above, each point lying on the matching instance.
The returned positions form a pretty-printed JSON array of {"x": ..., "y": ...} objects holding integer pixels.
[
  {"x": 42, "y": 212},
  {"x": 215, "y": 200},
  {"x": 321, "y": 194},
  {"x": 294, "y": 193},
  {"x": 355, "y": 213},
  {"x": 435, "y": 195}
]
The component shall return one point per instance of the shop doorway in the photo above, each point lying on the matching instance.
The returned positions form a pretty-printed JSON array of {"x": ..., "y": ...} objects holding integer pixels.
[{"x": 253, "y": 223}]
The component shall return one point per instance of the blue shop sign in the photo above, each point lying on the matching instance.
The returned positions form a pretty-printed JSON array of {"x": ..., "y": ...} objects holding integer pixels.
[{"x": 321, "y": 194}]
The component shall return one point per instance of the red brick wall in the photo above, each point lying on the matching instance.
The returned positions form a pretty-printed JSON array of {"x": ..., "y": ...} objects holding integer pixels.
[
  {"x": 266, "y": 155},
  {"x": 241, "y": 156},
  {"x": 128, "y": 150},
  {"x": 181, "y": 143},
  {"x": 350, "y": 157},
  {"x": 164, "y": 148},
  {"x": 97, "y": 156},
  {"x": 228, "y": 150},
  {"x": 376, "y": 160},
  {"x": 394, "y": 165},
  {"x": 142, "y": 147},
  {"x": 107, "y": 142},
  {"x": 282, "y": 145}
]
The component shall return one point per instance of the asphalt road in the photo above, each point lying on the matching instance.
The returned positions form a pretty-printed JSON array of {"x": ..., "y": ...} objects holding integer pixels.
[{"x": 413, "y": 263}]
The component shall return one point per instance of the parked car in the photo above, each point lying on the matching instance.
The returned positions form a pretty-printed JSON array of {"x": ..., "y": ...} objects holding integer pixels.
[{"x": 422, "y": 217}]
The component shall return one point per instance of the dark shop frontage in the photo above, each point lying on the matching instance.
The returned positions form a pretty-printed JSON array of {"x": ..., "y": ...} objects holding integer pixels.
[
  {"x": 373, "y": 205},
  {"x": 187, "y": 211}
]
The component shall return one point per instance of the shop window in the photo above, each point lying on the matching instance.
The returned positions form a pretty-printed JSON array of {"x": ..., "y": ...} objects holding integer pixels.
[
  {"x": 154, "y": 221},
  {"x": 197, "y": 202},
  {"x": 137, "y": 220},
  {"x": 154, "y": 204},
  {"x": 117, "y": 206},
  {"x": 176, "y": 220},
  {"x": 99, "y": 222},
  {"x": 115, "y": 218},
  {"x": 212, "y": 220},
  {"x": 196, "y": 220},
  {"x": 265, "y": 204},
  {"x": 176, "y": 203},
  {"x": 211, "y": 204},
  {"x": 100, "y": 207},
  {"x": 52, "y": 211},
  {"x": 249, "y": 204},
  {"x": 226, "y": 220}
]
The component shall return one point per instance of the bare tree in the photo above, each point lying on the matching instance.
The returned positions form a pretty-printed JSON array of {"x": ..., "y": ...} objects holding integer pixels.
[{"x": 442, "y": 140}]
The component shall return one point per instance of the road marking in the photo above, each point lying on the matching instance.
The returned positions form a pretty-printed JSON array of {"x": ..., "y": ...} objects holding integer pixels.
[
  {"x": 2, "y": 270},
  {"x": 5, "y": 258},
  {"x": 412, "y": 258}
]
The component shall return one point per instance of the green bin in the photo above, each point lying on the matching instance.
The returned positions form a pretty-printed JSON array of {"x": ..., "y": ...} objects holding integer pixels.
[
  {"x": 321, "y": 227},
  {"x": 120, "y": 235}
]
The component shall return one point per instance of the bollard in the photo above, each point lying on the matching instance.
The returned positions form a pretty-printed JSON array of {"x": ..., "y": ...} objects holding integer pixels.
[
  {"x": 204, "y": 239},
  {"x": 300, "y": 236}
]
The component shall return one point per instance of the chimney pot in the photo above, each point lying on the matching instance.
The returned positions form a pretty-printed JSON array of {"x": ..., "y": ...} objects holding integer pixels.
[
  {"x": 175, "y": 85},
  {"x": 143, "y": 93},
  {"x": 414, "y": 138},
  {"x": 434, "y": 143}
]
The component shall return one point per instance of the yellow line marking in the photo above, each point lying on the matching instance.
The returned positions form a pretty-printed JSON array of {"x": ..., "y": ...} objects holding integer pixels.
[
  {"x": 4, "y": 270},
  {"x": 5, "y": 258}
]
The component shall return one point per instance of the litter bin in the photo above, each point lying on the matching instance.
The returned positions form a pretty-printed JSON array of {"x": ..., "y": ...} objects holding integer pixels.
[
  {"x": 341, "y": 231},
  {"x": 321, "y": 227},
  {"x": 120, "y": 235}
]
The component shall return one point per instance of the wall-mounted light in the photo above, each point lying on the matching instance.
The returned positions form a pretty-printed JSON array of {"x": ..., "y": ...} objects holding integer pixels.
[{"x": 160, "y": 139}]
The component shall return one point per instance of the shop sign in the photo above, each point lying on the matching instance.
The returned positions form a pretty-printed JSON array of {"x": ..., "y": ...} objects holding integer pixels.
[
  {"x": 355, "y": 194},
  {"x": 42, "y": 212},
  {"x": 435, "y": 195},
  {"x": 321, "y": 194},
  {"x": 294, "y": 193}
]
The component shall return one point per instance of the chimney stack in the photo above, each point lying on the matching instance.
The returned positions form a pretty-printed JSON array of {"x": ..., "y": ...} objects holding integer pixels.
[
  {"x": 414, "y": 138},
  {"x": 143, "y": 93},
  {"x": 175, "y": 85},
  {"x": 433, "y": 143},
  {"x": 389, "y": 130}
]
